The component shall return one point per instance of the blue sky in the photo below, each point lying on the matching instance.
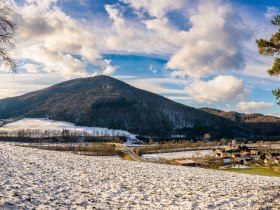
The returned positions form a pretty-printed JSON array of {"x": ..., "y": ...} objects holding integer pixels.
[{"x": 199, "y": 53}]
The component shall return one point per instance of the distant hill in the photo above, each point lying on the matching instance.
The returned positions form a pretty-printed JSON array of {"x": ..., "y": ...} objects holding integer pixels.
[
  {"x": 103, "y": 101},
  {"x": 257, "y": 123}
]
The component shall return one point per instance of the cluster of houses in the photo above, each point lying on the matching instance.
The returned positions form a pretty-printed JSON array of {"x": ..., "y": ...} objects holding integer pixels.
[
  {"x": 246, "y": 155},
  {"x": 236, "y": 156}
]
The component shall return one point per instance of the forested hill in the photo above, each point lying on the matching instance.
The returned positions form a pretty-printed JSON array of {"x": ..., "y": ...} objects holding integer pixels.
[
  {"x": 103, "y": 101},
  {"x": 257, "y": 123}
]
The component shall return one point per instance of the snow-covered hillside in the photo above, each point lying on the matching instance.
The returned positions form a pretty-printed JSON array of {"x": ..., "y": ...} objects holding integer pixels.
[
  {"x": 40, "y": 179},
  {"x": 45, "y": 124}
]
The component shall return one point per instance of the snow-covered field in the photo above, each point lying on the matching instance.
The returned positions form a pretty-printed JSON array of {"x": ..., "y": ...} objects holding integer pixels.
[
  {"x": 177, "y": 155},
  {"x": 45, "y": 124},
  {"x": 39, "y": 179}
]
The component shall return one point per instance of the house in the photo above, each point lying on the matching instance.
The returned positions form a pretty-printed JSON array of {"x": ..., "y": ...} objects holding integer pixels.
[
  {"x": 233, "y": 151},
  {"x": 256, "y": 157},
  {"x": 186, "y": 162},
  {"x": 245, "y": 153},
  {"x": 253, "y": 152},
  {"x": 275, "y": 154},
  {"x": 241, "y": 161},
  {"x": 223, "y": 154},
  {"x": 227, "y": 161},
  {"x": 272, "y": 160}
]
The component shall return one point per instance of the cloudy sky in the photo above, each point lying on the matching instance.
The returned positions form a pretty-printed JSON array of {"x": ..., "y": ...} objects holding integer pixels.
[{"x": 197, "y": 52}]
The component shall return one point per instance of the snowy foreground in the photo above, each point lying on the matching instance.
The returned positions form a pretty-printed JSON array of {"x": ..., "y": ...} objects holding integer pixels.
[{"x": 31, "y": 178}]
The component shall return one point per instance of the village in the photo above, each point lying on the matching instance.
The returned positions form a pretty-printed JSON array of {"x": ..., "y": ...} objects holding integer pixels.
[{"x": 265, "y": 155}]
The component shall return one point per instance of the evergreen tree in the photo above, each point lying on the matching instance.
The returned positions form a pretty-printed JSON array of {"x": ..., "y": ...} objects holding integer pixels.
[{"x": 271, "y": 47}]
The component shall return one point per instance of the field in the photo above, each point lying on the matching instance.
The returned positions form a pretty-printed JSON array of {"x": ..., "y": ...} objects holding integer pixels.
[
  {"x": 256, "y": 170},
  {"x": 94, "y": 149},
  {"x": 42, "y": 179},
  {"x": 178, "y": 155},
  {"x": 39, "y": 126}
]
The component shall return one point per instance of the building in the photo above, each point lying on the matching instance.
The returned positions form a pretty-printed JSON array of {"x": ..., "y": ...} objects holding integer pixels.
[{"x": 186, "y": 163}]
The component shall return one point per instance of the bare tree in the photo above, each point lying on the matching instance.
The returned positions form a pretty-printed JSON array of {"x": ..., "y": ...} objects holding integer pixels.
[{"x": 7, "y": 31}]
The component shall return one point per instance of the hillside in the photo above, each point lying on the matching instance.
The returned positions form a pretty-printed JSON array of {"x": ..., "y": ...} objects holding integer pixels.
[
  {"x": 41, "y": 179},
  {"x": 103, "y": 101},
  {"x": 257, "y": 123}
]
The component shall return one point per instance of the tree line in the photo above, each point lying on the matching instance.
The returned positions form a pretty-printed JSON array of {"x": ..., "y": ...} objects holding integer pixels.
[{"x": 64, "y": 135}]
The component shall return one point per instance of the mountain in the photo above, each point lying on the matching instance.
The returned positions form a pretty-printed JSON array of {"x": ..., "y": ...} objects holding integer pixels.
[
  {"x": 256, "y": 123},
  {"x": 103, "y": 101}
]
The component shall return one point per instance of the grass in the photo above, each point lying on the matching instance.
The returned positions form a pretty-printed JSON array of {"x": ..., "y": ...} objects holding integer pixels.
[
  {"x": 255, "y": 170},
  {"x": 127, "y": 157},
  {"x": 98, "y": 149}
]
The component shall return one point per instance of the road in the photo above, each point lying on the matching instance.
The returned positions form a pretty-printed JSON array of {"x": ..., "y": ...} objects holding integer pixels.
[{"x": 129, "y": 151}]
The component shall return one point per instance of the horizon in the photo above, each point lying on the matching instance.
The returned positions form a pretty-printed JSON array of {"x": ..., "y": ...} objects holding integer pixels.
[{"x": 183, "y": 52}]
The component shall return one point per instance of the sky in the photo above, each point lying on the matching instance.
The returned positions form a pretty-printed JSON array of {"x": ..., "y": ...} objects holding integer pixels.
[{"x": 199, "y": 53}]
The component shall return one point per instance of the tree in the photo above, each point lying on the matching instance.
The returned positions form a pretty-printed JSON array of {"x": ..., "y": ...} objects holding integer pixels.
[
  {"x": 7, "y": 31},
  {"x": 271, "y": 47},
  {"x": 206, "y": 136}
]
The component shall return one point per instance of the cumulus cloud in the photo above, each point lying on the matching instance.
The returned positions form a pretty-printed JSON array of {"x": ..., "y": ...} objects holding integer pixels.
[
  {"x": 108, "y": 68},
  {"x": 31, "y": 67},
  {"x": 48, "y": 36},
  {"x": 214, "y": 42},
  {"x": 130, "y": 36},
  {"x": 155, "y": 8},
  {"x": 253, "y": 106},
  {"x": 158, "y": 22},
  {"x": 221, "y": 88}
]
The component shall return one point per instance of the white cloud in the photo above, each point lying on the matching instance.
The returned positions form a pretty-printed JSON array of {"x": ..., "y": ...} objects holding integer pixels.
[
  {"x": 157, "y": 85},
  {"x": 49, "y": 37},
  {"x": 31, "y": 67},
  {"x": 179, "y": 98},
  {"x": 253, "y": 106},
  {"x": 214, "y": 43},
  {"x": 156, "y": 8},
  {"x": 221, "y": 88},
  {"x": 158, "y": 23},
  {"x": 131, "y": 36},
  {"x": 7, "y": 92},
  {"x": 256, "y": 64},
  {"x": 108, "y": 69},
  {"x": 16, "y": 84},
  {"x": 152, "y": 69},
  {"x": 271, "y": 12}
]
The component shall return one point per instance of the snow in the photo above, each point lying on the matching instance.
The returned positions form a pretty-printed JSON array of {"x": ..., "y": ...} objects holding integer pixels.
[
  {"x": 45, "y": 124},
  {"x": 41, "y": 179},
  {"x": 239, "y": 166},
  {"x": 177, "y": 155}
]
